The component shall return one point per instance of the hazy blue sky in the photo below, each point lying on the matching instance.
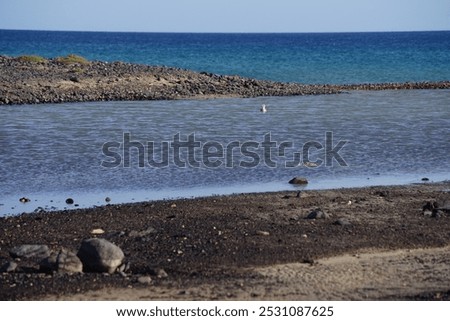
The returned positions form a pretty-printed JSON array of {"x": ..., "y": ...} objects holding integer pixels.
[{"x": 226, "y": 15}]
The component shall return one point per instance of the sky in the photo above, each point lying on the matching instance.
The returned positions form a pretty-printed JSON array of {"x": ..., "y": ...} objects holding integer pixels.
[{"x": 226, "y": 15}]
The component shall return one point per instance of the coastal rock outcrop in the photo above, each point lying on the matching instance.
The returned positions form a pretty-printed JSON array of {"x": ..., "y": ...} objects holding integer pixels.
[{"x": 36, "y": 81}]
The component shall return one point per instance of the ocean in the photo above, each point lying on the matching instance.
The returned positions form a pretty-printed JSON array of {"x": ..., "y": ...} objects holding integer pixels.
[
  {"x": 148, "y": 150},
  {"x": 338, "y": 58}
]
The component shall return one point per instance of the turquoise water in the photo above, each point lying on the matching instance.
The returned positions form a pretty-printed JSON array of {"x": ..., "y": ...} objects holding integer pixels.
[
  {"x": 306, "y": 58},
  {"x": 53, "y": 151}
]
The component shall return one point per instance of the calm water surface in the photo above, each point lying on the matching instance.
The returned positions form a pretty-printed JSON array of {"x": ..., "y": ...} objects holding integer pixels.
[{"x": 51, "y": 152}]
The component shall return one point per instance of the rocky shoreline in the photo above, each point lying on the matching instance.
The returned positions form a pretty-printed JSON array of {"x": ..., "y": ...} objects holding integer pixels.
[
  {"x": 263, "y": 246},
  {"x": 33, "y": 80}
]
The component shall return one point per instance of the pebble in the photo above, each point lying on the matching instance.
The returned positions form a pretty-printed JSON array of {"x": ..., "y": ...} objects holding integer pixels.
[
  {"x": 146, "y": 280},
  {"x": 97, "y": 231},
  {"x": 8, "y": 267},
  {"x": 69, "y": 201},
  {"x": 342, "y": 222},
  {"x": 318, "y": 214},
  {"x": 298, "y": 181},
  {"x": 262, "y": 233},
  {"x": 148, "y": 231}
]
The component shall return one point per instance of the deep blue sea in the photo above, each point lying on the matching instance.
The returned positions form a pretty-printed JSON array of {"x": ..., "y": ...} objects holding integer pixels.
[
  {"x": 294, "y": 57},
  {"x": 50, "y": 152}
]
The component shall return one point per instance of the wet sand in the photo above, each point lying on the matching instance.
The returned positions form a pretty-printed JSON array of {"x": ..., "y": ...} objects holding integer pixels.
[{"x": 376, "y": 244}]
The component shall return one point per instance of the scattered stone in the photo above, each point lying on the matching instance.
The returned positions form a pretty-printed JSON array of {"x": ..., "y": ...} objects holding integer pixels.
[
  {"x": 97, "y": 231},
  {"x": 304, "y": 236},
  {"x": 262, "y": 233},
  {"x": 69, "y": 201},
  {"x": 429, "y": 206},
  {"x": 342, "y": 222},
  {"x": 298, "y": 181},
  {"x": 437, "y": 213},
  {"x": 30, "y": 251},
  {"x": 382, "y": 193},
  {"x": 318, "y": 214},
  {"x": 146, "y": 280},
  {"x": 107, "y": 200},
  {"x": 64, "y": 261},
  {"x": 144, "y": 233},
  {"x": 425, "y": 179},
  {"x": 124, "y": 267},
  {"x": 39, "y": 210},
  {"x": 161, "y": 274},
  {"x": 443, "y": 203},
  {"x": 24, "y": 200},
  {"x": 8, "y": 267},
  {"x": 173, "y": 205},
  {"x": 100, "y": 255}
]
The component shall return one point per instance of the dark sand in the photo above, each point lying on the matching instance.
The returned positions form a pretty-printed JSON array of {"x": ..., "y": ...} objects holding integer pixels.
[{"x": 248, "y": 247}]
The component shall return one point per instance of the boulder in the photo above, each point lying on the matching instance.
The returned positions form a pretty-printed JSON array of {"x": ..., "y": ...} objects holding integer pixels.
[
  {"x": 63, "y": 261},
  {"x": 30, "y": 251},
  {"x": 100, "y": 255}
]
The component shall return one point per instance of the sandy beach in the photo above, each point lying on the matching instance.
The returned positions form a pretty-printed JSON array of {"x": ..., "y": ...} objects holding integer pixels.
[{"x": 374, "y": 243}]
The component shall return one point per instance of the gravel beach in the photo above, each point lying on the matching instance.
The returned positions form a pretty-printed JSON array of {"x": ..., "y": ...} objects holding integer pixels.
[
  {"x": 33, "y": 80},
  {"x": 376, "y": 243}
]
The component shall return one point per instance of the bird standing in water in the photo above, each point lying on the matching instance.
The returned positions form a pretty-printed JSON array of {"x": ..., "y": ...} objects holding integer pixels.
[{"x": 263, "y": 108}]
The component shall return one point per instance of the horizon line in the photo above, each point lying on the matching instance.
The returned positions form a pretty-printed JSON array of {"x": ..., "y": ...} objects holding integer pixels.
[{"x": 229, "y": 32}]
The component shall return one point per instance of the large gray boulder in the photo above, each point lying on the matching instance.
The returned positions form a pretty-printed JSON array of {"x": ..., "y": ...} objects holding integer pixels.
[{"x": 100, "y": 255}]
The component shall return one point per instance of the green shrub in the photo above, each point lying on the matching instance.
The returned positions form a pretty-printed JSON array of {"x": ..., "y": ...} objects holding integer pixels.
[
  {"x": 72, "y": 59},
  {"x": 31, "y": 58}
]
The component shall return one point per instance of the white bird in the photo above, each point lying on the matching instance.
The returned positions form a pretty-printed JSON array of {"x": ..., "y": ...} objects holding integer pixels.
[{"x": 263, "y": 109}]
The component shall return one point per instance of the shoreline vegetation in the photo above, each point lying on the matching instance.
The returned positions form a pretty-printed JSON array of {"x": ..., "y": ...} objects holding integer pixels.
[{"x": 33, "y": 79}]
